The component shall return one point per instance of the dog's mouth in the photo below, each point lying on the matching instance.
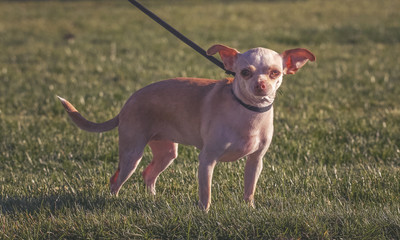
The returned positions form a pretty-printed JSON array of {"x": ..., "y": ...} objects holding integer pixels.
[
  {"x": 267, "y": 99},
  {"x": 264, "y": 96},
  {"x": 261, "y": 93}
]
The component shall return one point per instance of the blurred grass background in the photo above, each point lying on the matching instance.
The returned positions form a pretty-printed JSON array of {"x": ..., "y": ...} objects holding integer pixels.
[{"x": 332, "y": 170}]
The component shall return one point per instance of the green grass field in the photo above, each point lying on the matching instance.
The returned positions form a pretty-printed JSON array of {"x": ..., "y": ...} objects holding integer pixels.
[{"x": 332, "y": 171}]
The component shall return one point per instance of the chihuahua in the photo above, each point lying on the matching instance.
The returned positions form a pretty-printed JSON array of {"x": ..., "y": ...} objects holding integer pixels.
[{"x": 227, "y": 119}]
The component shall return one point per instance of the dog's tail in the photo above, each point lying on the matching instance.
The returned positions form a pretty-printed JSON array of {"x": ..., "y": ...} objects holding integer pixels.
[{"x": 85, "y": 124}]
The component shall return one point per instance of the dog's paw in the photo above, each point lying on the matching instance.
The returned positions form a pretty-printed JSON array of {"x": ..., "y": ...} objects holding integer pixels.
[{"x": 204, "y": 208}]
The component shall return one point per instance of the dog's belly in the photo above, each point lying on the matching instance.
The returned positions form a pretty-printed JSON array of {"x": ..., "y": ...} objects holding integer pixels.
[
  {"x": 179, "y": 136},
  {"x": 232, "y": 156}
]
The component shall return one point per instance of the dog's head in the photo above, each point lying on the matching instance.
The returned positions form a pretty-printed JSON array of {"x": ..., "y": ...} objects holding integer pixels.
[{"x": 259, "y": 71}]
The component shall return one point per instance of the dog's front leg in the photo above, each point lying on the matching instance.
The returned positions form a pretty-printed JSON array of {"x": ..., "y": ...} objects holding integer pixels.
[
  {"x": 205, "y": 172},
  {"x": 254, "y": 165}
]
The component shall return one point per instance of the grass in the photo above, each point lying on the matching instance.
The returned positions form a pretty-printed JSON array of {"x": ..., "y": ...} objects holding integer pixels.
[{"x": 332, "y": 171}]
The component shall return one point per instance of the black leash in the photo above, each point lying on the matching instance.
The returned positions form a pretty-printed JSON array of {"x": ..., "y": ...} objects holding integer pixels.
[{"x": 179, "y": 35}]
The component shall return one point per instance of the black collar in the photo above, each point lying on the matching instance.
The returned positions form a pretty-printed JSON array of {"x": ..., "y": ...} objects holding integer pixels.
[{"x": 252, "y": 108}]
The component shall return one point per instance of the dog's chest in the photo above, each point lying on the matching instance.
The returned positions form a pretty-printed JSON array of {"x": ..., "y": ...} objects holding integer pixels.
[
  {"x": 239, "y": 147},
  {"x": 241, "y": 141}
]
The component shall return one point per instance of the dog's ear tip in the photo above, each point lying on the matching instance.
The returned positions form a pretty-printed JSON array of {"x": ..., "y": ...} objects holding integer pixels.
[
  {"x": 222, "y": 49},
  {"x": 301, "y": 51},
  {"x": 312, "y": 57},
  {"x": 213, "y": 49}
]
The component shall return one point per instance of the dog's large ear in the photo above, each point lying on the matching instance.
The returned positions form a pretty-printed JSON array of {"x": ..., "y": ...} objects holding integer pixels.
[
  {"x": 294, "y": 59},
  {"x": 228, "y": 55}
]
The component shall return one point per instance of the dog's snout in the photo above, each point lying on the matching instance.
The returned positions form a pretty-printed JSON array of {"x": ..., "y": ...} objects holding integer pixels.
[{"x": 261, "y": 86}]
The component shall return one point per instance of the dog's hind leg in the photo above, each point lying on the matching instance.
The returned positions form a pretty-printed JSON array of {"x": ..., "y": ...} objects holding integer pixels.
[
  {"x": 164, "y": 153},
  {"x": 130, "y": 154}
]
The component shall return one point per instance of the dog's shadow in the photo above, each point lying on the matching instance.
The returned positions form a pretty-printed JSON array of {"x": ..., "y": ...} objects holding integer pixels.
[{"x": 10, "y": 205}]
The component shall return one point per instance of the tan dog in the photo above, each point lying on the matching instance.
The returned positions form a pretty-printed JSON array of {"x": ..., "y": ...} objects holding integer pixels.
[{"x": 226, "y": 120}]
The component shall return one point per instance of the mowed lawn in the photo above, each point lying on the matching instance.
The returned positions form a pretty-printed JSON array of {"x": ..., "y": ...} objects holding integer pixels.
[{"x": 332, "y": 171}]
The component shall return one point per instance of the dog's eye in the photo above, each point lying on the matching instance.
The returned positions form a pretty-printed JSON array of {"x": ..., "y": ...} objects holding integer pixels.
[
  {"x": 274, "y": 73},
  {"x": 245, "y": 73}
]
